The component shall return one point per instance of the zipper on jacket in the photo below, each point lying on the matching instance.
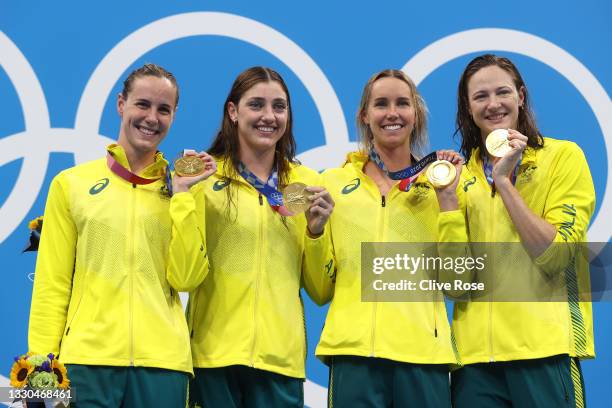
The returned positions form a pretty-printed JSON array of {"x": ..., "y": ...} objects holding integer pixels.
[
  {"x": 493, "y": 190},
  {"x": 491, "y": 239},
  {"x": 435, "y": 319},
  {"x": 381, "y": 238},
  {"x": 372, "y": 337},
  {"x": 131, "y": 277},
  {"x": 258, "y": 273}
]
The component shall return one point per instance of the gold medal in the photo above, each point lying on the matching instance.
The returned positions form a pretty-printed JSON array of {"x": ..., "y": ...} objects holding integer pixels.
[
  {"x": 295, "y": 198},
  {"x": 189, "y": 166},
  {"x": 441, "y": 173},
  {"x": 497, "y": 143}
]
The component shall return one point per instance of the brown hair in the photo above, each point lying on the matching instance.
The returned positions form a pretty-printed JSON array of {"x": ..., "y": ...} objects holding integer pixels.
[
  {"x": 149, "y": 70},
  {"x": 226, "y": 144},
  {"x": 464, "y": 123},
  {"x": 418, "y": 137}
]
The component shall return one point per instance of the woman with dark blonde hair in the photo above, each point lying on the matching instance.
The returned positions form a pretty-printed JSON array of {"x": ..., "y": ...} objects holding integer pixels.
[
  {"x": 536, "y": 198},
  {"x": 388, "y": 353},
  {"x": 246, "y": 319}
]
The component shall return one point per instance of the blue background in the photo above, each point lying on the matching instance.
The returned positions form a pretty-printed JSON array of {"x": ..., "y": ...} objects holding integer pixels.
[{"x": 65, "y": 41}]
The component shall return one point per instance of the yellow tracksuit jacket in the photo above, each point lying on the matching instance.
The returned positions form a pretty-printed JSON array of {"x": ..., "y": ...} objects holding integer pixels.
[
  {"x": 413, "y": 332},
  {"x": 111, "y": 259},
  {"x": 248, "y": 311},
  {"x": 555, "y": 183}
]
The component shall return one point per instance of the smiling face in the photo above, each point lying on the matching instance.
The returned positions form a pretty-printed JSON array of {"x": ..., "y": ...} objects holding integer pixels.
[
  {"x": 390, "y": 113},
  {"x": 494, "y": 101},
  {"x": 261, "y": 116},
  {"x": 146, "y": 114}
]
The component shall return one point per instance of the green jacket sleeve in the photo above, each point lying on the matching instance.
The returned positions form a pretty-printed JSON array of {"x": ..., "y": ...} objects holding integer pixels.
[
  {"x": 54, "y": 273},
  {"x": 187, "y": 258},
  {"x": 569, "y": 206}
]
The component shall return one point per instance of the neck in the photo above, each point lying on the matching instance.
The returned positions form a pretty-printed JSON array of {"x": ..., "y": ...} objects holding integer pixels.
[
  {"x": 259, "y": 163},
  {"x": 138, "y": 161},
  {"x": 395, "y": 158}
]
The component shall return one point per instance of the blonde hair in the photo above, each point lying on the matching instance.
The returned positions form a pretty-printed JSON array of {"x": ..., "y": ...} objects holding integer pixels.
[{"x": 418, "y": 137}]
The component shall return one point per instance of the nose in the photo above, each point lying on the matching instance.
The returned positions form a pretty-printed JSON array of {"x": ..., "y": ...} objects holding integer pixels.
[
  {"x": 267, "y": 114},
  {"x": 152, "y": 116},
  {"x": 392, "y": 111},
  {"x": 494, "y": 102}
]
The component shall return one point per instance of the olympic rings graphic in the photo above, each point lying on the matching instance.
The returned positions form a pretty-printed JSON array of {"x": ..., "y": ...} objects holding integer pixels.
[
  {"x": 485, "y": 39},
  {"x": 85, "y": 142}
]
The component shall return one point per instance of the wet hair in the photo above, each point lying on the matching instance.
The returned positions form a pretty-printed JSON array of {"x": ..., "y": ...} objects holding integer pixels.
[
  {"x": 149, "y": 70},
  {"x": 418, "y": 137},
  {"x": 226, "y": 145},
  {"x": 464, "y": 123}
]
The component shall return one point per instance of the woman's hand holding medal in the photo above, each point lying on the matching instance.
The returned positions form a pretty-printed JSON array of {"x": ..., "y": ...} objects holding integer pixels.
[
  {"x": 510, "y": 146},
  {"x": 191, "y": 169},
  {"x": 444, "y": 175},
  {"x": 321, "y": 207}
]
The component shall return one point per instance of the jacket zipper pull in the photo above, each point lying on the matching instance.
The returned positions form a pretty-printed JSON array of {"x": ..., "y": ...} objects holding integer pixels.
[
  {"x": 383, "y": 202},
  {"x": 493, "y": 190},
  {"x": 260, "y": 199}
]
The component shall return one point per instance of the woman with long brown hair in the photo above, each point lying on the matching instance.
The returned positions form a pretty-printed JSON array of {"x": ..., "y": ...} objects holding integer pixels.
[
  {"x": 535, "y": 199},
  {"x": 246, "y": 318}
]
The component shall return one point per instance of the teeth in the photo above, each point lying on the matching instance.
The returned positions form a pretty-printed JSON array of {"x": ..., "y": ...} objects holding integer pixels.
[
  {"x": 265, "y": 129},
  {"x": 392, "y": 127},
  {"x": 146, "y": 131},
  {"x": 495, "y": 117}
]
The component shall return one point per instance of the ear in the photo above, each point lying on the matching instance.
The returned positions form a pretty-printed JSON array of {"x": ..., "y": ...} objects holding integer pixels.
[
  {"x": 120, "y": 104},
  {"x": 232, "y": 111},
  {"x": 364, "y": 118},
  {"x": 521, "y": 94}
]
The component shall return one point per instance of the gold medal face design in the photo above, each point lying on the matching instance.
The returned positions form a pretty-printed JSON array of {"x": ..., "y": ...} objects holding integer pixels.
[
  {"x": 441, "y": 173},
  {"x": 497, "y": 143},
  {"x": 295, "y": 198},
  {"x": 189, "y": 166}
]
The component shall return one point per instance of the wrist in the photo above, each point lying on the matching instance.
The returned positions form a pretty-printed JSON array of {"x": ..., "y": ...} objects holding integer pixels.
[{"x": 313, "y": 234}]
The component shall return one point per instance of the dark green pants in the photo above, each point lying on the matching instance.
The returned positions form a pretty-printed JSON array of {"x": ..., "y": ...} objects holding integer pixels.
[
  {"x": 356, "y": 382},
  {"x": 244, "y": 387},
  {"x": 129, "y": 387},
  {"x": 540, "y": 383}
]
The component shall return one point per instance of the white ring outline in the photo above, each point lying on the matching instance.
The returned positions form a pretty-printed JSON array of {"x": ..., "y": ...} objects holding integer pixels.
[
  {"x": 117, "y": 61},
  {"x": 485, "y": 39},
  {"x": 36, "y": 118}
]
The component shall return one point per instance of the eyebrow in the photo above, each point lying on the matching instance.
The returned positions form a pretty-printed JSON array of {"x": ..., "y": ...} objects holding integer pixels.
[
  {"x": 496, "y": 89},
  {"x": 259, "y": 98}
]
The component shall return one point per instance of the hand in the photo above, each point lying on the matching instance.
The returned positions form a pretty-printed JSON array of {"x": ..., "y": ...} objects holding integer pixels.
[
  {"x": 182, "y": 184},
  {"x": 447, "y": 196},
  {"x": 320, "y": 209},
  {"x": 504, "y": 166}
]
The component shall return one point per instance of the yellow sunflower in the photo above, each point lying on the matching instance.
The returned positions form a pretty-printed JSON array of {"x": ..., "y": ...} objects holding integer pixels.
[
  {"x": 35, "y": 223},
  {"x": 60, "y": 371},
  {"x": 19, "y": 373}
]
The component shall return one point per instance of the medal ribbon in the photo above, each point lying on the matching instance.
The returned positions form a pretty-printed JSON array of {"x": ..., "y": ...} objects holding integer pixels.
[
  {"x": 269, "y": 189},
  {"x": 488, "y": 171},
  {"x": 407, "y": 175},
  {"x": 128, "y": 176}
]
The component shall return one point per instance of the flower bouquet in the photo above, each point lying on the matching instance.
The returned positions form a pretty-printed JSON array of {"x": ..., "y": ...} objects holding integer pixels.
[
  {"x": 35, "y": 231},
  {"x": 41, "y": 378}
]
